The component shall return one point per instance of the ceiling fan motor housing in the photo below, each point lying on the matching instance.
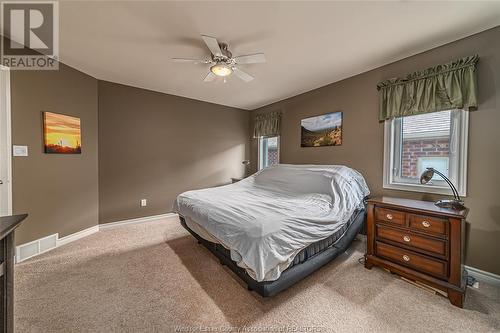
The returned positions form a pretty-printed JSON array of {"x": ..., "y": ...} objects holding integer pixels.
[{"x": 226, "y": 54}]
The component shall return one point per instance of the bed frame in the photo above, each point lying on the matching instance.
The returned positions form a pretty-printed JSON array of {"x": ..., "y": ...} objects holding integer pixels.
[{"x": 293, "y": 274}]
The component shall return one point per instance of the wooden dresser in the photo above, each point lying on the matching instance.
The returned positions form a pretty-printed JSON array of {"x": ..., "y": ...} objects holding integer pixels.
[{"x": 418, "y": 241}]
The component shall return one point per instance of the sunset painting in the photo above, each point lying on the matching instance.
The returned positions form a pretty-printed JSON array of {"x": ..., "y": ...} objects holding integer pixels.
[
  {"x": 324, "y": 130},
  {"x": 61, "y": 134}
]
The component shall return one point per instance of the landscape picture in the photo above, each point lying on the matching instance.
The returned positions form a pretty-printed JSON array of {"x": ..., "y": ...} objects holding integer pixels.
[
  {"x": 61, "y": 133},
  {"x": 324, "y": 130}
]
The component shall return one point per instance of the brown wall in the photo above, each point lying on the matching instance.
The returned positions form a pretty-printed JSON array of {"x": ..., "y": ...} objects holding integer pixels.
[
  {"x": 362, "y": 146},
  {"x": 60, "y": 192},
  {"x": 155, "y": 146}
]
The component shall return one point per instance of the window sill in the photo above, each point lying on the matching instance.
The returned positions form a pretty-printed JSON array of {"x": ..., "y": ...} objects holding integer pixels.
[{"x": 421, "y": 188}]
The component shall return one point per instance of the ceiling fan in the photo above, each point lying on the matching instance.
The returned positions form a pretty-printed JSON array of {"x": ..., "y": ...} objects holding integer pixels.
[{"x": 222, "y": 63}]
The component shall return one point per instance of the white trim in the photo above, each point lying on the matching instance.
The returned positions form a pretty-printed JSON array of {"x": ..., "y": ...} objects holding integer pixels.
[
  {"x": 484, "y": 276},
  {"x": 35, "y": 243},
  {"x": 144, "y": 219},
  {"x": 464, "y": 150},
  {"x": 8, "y": 139},
  {"x": 84, "y": 233},
  {"x": 419, "y": 188},
  {"x": 77, "y": 235},
  {"x": 259, "y": 153},
  {"x": 388, "y": 144},
  {"x": 279, "y": 148}
]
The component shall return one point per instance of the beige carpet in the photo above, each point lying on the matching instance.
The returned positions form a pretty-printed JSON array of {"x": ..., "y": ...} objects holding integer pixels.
[{"x": 154, "y": 277}]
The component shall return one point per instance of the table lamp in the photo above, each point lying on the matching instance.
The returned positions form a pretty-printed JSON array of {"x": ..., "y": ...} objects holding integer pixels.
[{"x": 455, "y": 203}]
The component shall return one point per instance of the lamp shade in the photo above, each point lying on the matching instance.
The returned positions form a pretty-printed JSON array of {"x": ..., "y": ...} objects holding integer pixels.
[
  {"x": 221, "y": 69},
  {"x": 426, "y": 176}
]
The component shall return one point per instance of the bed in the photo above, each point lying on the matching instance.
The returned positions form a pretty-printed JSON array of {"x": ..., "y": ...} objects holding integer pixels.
[{"x": 280, "y": 224}]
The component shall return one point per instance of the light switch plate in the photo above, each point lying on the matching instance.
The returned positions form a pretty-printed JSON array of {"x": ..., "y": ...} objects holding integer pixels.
[{"x": 19, "y": 150}]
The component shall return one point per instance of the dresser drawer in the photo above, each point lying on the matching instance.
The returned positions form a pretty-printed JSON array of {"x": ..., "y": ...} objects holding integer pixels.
[
  {"x": 428, "y": 224},
  {"x": 435, "y": 267},
  {"x": 390, "y": 216},
  {"x": 431, "y": 245}
]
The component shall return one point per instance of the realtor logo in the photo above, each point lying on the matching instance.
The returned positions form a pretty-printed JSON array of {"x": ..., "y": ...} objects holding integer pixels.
[{"x": 30, "y": 35}]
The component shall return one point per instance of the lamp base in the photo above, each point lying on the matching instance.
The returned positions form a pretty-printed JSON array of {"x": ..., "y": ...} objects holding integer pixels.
[{"x": 450, "y": 203}]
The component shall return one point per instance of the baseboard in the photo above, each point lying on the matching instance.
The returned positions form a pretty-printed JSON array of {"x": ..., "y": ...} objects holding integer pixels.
[
  {"x": 44, "y": 244},
  {"x": 483, "y": 276},
  {"x": 110, "y": 225},
  {"x": 77, "y": 235},
  {"x": 36, "y": 247}
]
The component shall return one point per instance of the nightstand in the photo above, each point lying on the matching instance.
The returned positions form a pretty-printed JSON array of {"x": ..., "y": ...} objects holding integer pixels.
[{"x": 419, "y": 241}]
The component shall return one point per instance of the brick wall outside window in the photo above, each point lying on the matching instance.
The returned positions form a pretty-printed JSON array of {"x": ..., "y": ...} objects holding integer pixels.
[
  {"x": 415, "y": 148},
  {"x": 272, "y": 157}
]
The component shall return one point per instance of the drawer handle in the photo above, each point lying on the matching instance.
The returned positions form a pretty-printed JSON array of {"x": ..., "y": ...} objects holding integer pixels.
[
  {"x": 389, "y": 216},
  {"x": 406, "y": 258},
  {"x": 426, "y": 224},
  {"x": 406, "y": 238}
]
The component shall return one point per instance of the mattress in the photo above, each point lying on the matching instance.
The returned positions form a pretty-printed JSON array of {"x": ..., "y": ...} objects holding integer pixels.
[{"x": 314, "y": 248}]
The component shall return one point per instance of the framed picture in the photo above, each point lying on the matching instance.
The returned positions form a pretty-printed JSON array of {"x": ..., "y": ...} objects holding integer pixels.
[
  {"x": 61, "y": 134},
  {"x": 323, "y": 130}
]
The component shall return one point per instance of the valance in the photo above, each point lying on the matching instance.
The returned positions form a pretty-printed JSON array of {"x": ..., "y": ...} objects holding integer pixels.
[
  {"x": 267, "y": 124},
  {"x": 443, "y": 87}
]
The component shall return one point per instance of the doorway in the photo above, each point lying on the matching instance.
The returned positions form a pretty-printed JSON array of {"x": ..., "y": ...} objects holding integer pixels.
[{"x": 5, "y": 144}]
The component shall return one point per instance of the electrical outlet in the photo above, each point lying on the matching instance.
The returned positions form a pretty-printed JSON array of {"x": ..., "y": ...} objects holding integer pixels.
[{"x": 144, "y": 202}]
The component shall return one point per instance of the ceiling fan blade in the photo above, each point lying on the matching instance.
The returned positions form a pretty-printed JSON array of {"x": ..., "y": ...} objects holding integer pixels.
[
  {"x": 193, "y": 61},
  {"x": 256, "y": 58},
  {"x": 213, "y": 45},
  {"x": 210, "y": 77},
  {"x": 242, "y": 75}
]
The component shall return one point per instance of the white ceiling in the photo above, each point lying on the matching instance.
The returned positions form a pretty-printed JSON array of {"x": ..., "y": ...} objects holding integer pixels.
[{"x": 307, "y": 44}]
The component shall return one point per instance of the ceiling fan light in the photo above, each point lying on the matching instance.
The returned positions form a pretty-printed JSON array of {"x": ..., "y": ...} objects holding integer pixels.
[{"x": 221, "y": 69}]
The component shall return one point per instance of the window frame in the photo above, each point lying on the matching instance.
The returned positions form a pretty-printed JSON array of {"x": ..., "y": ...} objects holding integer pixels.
[
  {"x": 260, "y": 146},
  {"x": 460, "y": 128}
]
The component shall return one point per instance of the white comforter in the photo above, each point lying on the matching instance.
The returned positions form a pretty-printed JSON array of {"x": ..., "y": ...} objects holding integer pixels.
[{"x": 269, "y": 217}]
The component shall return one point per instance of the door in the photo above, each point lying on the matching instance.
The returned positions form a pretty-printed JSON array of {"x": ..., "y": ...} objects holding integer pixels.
[{"x": 5, "y": 144}]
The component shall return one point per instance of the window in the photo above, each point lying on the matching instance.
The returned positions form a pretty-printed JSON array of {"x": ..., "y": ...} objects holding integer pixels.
[
  {"x": 414, "y": 143},
  {"x": 269, "y": 152}
]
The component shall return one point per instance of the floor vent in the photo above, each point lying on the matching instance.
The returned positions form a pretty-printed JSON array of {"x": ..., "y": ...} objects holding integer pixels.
[
  {"x": 39, "y": 246},
  {"x": 36, "y": 247}
]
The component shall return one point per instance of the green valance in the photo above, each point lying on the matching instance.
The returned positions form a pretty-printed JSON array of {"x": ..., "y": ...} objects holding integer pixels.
[
  {"x": 443, "y": 87},
  {"x": 267, "y": 124}
]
